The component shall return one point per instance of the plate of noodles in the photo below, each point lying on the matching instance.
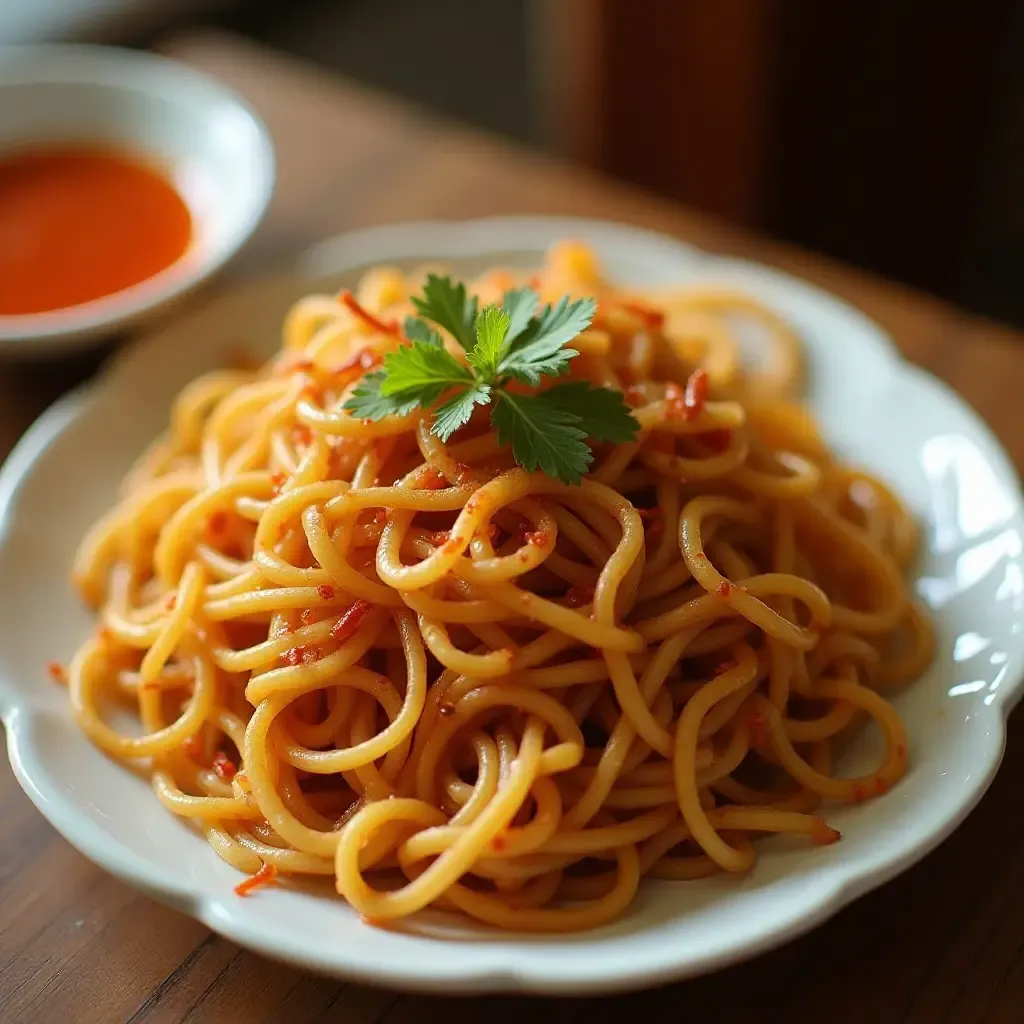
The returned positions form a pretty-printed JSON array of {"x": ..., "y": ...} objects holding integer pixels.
[{"x": 549, "y": 607}]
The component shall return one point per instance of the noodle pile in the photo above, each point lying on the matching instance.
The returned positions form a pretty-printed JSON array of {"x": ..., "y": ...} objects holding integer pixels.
[{"x": 355, "y": 651}]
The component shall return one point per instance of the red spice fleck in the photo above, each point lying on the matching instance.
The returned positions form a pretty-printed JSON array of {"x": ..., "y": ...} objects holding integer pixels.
[
  {"x": 385, "y": 327},
  {"x": 726, "y": 666},
  {"x": 823, "y": 834},
  {"x": 56, "y": 671},
  {"x": 463, "y": 473},
  {"x": 326, "y": 591},
  {"x": 194, "y": 747},
  {"x": 859, "y": 792},
  {"x": 498, "y": 843},
  {"x": 217, "y": 522},
  {"x": 881, "y": 786},
  {"x": 696, "y": 394},
  {"x": 310, "y": 655},
  {"x": 724, "y": 589},
  {"x": 348, "y": 621},
  {"x": 653, "y": 318},
  {"x": 354, "y": 367},
  {"x": 432, "y": 480},
  {"x": 378, "y": 517},
  {"x": 491, "y": 533},
  {"x": 294, "y": 655},
  {"x": 453, "y": 543},
  {"x": 717, "y": 441},
  {"x": 306, "y": 616},
  {"x": 278, "y": 480},
  {"x": 301, "y": 434},
  {"x": 758, "y": 726},
  {"x": 266, "y": 875},
  {"x": 446, "y": 709},
  {"x": 224, "y": 766},
  {"x": 634, "y": 396},
  {"x": 538, "y": 538},
  {"x": 364, "y": 359},
  {"x": 439, "y": 537},
  {"x": 579, "y": 595},
  {"x": 674, "y": 396}
]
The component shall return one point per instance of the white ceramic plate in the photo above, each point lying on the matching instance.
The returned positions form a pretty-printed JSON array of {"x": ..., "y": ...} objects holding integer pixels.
[
  {"x": 875, "y": 409},
  {"x": 206, "y": 140}
]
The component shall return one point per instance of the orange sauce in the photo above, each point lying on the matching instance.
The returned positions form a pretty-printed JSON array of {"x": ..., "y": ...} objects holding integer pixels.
[{"x": 78, "y": 223}]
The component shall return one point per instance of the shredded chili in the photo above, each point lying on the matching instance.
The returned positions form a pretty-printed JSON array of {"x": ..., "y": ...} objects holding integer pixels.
[
  {"x": 266, "y": 875},
  {"x": 653, "y": 318},
  {"x": 696, "y": 394},
  {"x": 348, "y": 621},
  {"x": 385, "y": 327}
]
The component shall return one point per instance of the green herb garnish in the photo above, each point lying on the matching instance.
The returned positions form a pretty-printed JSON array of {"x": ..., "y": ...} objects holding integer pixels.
[{"x": 511, "y": 342}]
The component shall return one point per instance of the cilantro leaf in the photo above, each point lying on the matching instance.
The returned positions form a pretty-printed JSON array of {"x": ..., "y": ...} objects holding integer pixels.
[
  {"x": 602, "y": 412},
  {"x": 455, "y": 412},
  {"x": 447, "y": 305},
  {"x": 491, "y": 330},
  {"x": 424, "y": 369},
  {"x": 367, "y": 402},
  {"x": 550, "y": 366},
  {"x": 418, "y": 330},
  {"x": 520, "y": 304},
  {"x": 542, "y": 435},
  {"x": 538, "y": 350},
  {"x": 548, "y": 431}
]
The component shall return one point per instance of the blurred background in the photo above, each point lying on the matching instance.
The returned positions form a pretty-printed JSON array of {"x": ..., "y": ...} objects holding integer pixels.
[{"x": 887, "y": 133}]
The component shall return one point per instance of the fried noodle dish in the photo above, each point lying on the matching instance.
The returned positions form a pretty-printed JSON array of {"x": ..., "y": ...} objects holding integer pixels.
[{"x": 498, "y": 597}]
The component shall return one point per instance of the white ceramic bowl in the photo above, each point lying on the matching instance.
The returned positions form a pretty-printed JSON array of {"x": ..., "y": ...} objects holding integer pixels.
[
  {"x": 212, "y": 147},
  {"x": 916, "y": 433}
]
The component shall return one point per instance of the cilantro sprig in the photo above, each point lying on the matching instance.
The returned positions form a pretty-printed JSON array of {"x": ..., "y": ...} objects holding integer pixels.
[{"x": 516, "y": 341}]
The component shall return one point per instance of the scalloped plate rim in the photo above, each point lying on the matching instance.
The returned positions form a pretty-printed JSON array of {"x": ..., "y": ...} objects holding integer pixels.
[{"x": 489, "y": 969}]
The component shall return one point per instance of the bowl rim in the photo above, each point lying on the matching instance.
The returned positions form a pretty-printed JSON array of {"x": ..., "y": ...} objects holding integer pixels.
[{"x": 149, "y": 75}]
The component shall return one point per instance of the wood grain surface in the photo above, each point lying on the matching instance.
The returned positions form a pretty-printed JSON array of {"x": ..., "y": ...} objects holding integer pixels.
[{"x": 945, "y": 942}]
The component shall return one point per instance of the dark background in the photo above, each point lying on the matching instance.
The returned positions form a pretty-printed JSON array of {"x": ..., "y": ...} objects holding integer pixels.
[{"x": 888, "y": 133}]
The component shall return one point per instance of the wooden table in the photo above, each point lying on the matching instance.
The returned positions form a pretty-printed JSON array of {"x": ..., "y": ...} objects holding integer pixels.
[{"x": 943, "y": 942}]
